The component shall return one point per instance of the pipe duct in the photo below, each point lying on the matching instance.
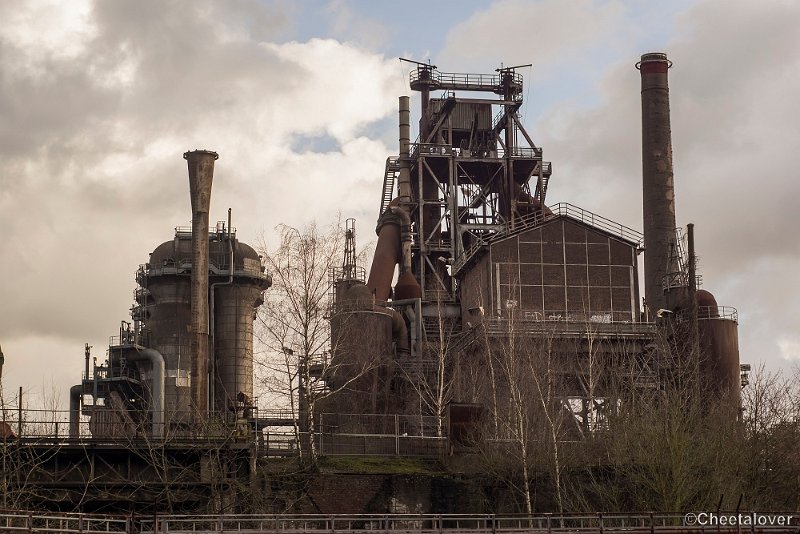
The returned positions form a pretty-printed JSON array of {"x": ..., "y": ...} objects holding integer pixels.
[
  {"x": 404, "y": 179},
  {"x": 75, "y": 394},
  {"x": 156, "y": 361}
]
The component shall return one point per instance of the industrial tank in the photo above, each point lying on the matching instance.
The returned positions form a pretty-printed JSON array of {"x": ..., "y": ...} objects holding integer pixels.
[
  {"x": 165, "y": 302},
  {"x": 361, "y": 354}
]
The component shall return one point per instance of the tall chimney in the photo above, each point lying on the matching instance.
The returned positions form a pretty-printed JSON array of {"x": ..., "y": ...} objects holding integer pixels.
[
  {"x": 404, "y": 180},
  {"x": 658, "y": 190},
  {"x": 201, "y": 175}
]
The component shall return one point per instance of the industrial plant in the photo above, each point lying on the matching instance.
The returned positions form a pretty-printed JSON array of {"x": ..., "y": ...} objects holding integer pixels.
[{"x": 478, "y": 293}]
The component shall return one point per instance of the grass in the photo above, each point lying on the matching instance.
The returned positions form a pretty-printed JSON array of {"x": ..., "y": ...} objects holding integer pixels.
[{"x": 387, "y": 465}]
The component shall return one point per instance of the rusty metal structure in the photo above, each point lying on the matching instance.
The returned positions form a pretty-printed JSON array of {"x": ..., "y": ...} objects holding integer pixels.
[
  {"x": 671, "y": 278},
  {"x": 482, "y": 269},
  {"x": 186, "y": 356},
  {"x": 480, "y": 257}
]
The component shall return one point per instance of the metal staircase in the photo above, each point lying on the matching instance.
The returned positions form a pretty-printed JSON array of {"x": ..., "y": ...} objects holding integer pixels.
[{"x": 392, "y": 170}]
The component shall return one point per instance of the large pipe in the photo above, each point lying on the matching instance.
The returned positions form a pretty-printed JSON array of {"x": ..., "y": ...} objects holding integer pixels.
[
  {"x": 404, "y": 180},
  {"x": 405, "y": 238},
  {"x": 75, "y": 394},
  {"x": 157, "y": 388},
  {"x": 212, "y": 372},
  {"x": 201, "y": 175},
  {"x": 657, "y": 177},
  {"x": 400, "y": 332},
  {"x": 407, "y": 286},
  {"x": 387, "y": 254}
]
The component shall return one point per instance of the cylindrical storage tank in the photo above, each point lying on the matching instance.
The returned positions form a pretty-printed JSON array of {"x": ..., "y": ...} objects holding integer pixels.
[
  {"x": 168, "y": 316},
  {"x": 234, "y": 310},
  {"x": 719, "y": 354},
  {"x": 168, "y": 320},
  {"x": 361, "y": 362}
]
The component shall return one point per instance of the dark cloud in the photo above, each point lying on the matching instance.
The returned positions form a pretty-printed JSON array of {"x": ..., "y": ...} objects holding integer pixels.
[{"x": 737, "y": 66}]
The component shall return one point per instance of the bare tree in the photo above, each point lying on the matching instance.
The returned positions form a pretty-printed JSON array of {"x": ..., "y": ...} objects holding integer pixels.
[
  {"x": 431, "y": 373},
  {"x": 296, "y": 330}
]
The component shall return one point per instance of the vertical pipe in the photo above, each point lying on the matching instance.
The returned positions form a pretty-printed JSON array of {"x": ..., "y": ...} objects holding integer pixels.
[
  {"x": 657, "y": 178},
  {"x": 75, "y": 394},
  {"x": 213, "y": 371},
  {"x": 19, "y": 414},
  {"x": 404, "y": 180},
  {"x": 87, "y": 351},
  {"x": 692, "y": 259},
  {"x": 692, "y": 283},
  {"x": 158, "y": 374},
  {"x": 201, "y": 174}
]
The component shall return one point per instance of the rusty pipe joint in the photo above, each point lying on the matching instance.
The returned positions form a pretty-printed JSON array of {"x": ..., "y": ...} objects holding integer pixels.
[{"x": 405, "y": 237}]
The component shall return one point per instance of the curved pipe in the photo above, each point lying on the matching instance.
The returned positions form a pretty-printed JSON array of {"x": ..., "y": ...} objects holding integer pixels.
[
  {"x": 75, "y": 394},
  {"x": 399, "y": 331},
  {"x": 393, "y": 247},
  {"x": 405, "y": 237},
  {"x": 387, "y": 253},
  {"x": 157, "y": 390}
]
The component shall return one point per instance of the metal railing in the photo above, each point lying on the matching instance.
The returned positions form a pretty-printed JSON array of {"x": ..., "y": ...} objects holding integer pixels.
[
  {"x": 277, "y": 444},
  {"x": 632, "y": 523},
  {"x": 711, "y": 313},
  {"x": 462, "y": 80},
  {"x": 444, "y": 150},
  {"x": 184, "y": 266},
  {"x": 365, "y": 435},
  {"x": 560, "y": 324},
  {"x": 587, "y": 217},
  {"x": 63, "y": 523},
  {"x": 219, "y": 230},
  {"x": 718, "y": 312},
  {"x": 103, "y": 424},
  {"x": 562, "y": 209}
]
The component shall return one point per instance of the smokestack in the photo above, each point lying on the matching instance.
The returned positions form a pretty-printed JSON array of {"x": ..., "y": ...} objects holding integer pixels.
[
  {"x": 201, "y": 175},
  {"x": 404, "y": 180},
  {"x": 658, "y": 190}
]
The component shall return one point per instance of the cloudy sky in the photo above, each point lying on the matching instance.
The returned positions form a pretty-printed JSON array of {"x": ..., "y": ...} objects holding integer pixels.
[{"x": 99, "y": 100}]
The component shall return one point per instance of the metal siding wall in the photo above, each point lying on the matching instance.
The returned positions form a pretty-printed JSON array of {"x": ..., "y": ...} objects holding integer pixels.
[{"x": 565, "y": 271}]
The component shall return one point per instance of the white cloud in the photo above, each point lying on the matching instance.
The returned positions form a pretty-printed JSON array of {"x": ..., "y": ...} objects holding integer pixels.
[
  {"x": 93, "y": 177},
  {"x": 737, "y": 67},
  {"x": 790, "y": 347},
  {"x": 548, "y": 33}
]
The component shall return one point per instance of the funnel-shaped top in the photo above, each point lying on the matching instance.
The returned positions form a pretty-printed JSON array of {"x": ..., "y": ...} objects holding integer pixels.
[{"x": 201, "y": 175}]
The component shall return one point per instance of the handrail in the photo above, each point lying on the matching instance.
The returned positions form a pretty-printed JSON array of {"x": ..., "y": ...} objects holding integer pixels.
[
  {"x": 213, "y": 231},
  {"x": 463, "y": 80},
  {"x": 632, "y": 522},
  {"x": 562, "y": 209},
  {"x": 419, "y": 149},
  {"x": 711, "y": 313}
]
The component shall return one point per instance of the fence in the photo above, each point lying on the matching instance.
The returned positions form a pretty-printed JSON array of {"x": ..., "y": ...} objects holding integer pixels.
[
  {"x": 30, "y": 522},
  {"x": 109, "y": 425},
  {"x": 364, "y": 435},
  {"x": 632, "y": 523},
  {"x": 336, "y": 434}
]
